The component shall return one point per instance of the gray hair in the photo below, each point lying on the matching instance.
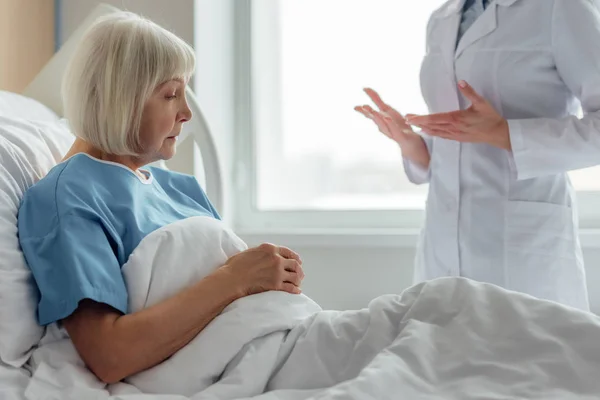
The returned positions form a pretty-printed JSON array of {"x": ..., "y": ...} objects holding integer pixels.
[{"x": 117, "y": 66}]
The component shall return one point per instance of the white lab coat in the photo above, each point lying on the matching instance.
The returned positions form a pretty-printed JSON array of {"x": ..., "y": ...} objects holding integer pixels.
[{"x": 509, "y": 218}]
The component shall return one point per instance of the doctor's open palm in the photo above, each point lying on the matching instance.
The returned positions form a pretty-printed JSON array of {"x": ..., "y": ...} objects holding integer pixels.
[{"x": 392, "y": 124}]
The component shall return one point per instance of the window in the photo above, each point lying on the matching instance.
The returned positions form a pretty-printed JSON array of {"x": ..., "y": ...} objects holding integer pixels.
[
  {"x": 316, "y": 156},
  {"x": 315, "y": 162},
  {"x": 324, "y": 53},
  {"x": 587, "y": 184},
  {"x": 586, "y": 180}
]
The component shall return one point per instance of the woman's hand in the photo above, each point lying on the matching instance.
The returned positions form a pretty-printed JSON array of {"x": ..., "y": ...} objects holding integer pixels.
[
  {"x": 480, "y": 123},
  {"x": 392, "y": 124},
  {"x": 266, "y": 267},
  {"x": 111, "y": 345}
]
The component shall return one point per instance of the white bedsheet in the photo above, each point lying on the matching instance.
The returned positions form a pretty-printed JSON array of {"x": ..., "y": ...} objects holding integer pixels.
[
  {"x": 450, "y": 338},
  {"x": 13, "y": 382}
]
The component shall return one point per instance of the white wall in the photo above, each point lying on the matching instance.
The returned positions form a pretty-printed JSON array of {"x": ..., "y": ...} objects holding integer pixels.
[
  {"x": 177, "y": 16},
  {"x": 338, "y": 277},
  {"x": 347, "y": 277}
]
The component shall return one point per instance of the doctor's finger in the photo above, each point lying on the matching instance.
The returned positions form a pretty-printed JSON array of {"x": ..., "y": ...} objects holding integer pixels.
[
  {"x": 375, "y": 117},
  {"x": 367, "y": 112},
  {"x": 396, "y": 116},
  {"x": 449, "y": 129},
  {"x": 444, "y": 134},
  {"x": 470, "y": 93},
  {"x": 377, "y": 99},
  {"x": 383, "y": 123},
  {"x": 370, "y": 110},
  {"x": 361, "y": 110},
  {"x": 373, "y": 114},
  {"x": 454, "y": 117}
]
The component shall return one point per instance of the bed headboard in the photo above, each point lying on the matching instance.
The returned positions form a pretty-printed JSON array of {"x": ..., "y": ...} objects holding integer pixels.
[{"x": 46, "y": 88}]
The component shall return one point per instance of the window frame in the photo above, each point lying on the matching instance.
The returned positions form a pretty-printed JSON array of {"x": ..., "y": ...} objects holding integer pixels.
[
  {"x": 248, "y": 218},
  {"x": 247, "y": 214}
]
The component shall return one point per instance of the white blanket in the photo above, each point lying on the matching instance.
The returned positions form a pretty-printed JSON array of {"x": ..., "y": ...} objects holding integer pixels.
[
  {"x": 450, "y": 338},
  {"x": 178, "y": 256}
]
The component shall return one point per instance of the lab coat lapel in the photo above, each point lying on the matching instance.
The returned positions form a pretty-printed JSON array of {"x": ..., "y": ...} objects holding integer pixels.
[
  {"x": 448, "y": 37},
  {"x": 446, "y": 34},
  {"x": 483, "y": 26}
]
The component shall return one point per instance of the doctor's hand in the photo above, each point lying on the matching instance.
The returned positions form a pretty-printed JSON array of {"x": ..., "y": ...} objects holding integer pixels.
[
  {"x": 392, "y": 124},
  {"x": 480, "y": 123}
]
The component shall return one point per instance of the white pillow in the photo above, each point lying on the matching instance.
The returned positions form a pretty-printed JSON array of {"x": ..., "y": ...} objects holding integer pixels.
[
  {"x": 28, "y": 150},
  {"x": 18, "y": 106}
]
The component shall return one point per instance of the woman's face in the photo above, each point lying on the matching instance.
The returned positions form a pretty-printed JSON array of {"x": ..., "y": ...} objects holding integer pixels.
[{"x": 162, "y": 119}]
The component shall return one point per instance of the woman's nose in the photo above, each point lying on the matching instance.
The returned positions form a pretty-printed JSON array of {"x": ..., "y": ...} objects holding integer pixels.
[{"x": 185, "y": 114}]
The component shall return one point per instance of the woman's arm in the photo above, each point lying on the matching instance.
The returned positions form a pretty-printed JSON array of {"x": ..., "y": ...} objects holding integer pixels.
[
  {"x": 418, "y": 169},
  {"x": 115, "y": 346},
  {"x": 549, "y": 146}
]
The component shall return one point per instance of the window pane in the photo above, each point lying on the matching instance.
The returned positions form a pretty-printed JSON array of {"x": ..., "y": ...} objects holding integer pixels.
[
  {"x": 322, "y": 154},
  {"x": 311, "y": 60},
  {"x": 586, "y": 179}
]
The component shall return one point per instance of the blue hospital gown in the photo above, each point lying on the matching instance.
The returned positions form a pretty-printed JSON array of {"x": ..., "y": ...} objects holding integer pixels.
[{"x": 78, "y": 226}]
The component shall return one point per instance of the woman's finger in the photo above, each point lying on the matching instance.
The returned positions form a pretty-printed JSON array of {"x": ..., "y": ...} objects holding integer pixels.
[
  {"x": 383, "y": 121},
  {"x": 373, "y": 113},
  {"x": 295, "y": 267},
  {"x": 444, "y": 134},
  {"x": 376, "y": 99},
  {"x": 453, "y": 117},
  {"x": 362, "y": 110},
  {"x": 290, "y": 288},
  {"x": 288, "y": 254},
  {"x": 385, "y": 108},
  {"x": 299, "y": 271},
  {"x": 370, "y": 110},
  {"x": 375, "y": 117},
  {"x": 395, "y": 130},
  {"x": 398, "y": 118},
  {"x": 293, "y": 278},
  {"x": 470, "y": 93},
  {"x": 452, "y": 129},
  {"x": 367, "y": 111},
  {"x": 291, "y": 265},
  {"x": 384, "y": 126}
]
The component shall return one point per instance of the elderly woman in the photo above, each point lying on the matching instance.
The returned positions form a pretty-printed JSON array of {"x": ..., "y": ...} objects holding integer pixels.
[{"x": 125, "y": 101}]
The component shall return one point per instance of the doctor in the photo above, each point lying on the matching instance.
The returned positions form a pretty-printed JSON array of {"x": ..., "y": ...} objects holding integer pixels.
[{"x": 501, "y": 208}]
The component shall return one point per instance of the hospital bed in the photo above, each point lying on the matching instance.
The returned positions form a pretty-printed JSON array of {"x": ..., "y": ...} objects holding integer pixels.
[
  {"x": 28, "y": 151},
  {"x": 41, "y": 101}
]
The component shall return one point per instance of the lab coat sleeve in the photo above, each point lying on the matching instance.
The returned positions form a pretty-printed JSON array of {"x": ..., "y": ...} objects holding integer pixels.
[
  {"x": 547, "y": 146},
  {"x": 415, "y": 173}
]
